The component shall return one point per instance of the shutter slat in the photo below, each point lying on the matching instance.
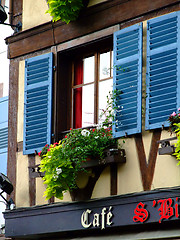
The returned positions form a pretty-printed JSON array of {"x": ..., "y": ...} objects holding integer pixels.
[
  {"x": 37, "y": 106},
  {"x": 162, "y": 69},
  {"x": 127, "y": 79}
]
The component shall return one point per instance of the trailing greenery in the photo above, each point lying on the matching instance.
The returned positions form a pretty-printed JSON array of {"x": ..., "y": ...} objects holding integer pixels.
[
  {"x": 64, "y": 10},
  {"x": 177, "y": 145},
  {"x": 62, "y": 161}
]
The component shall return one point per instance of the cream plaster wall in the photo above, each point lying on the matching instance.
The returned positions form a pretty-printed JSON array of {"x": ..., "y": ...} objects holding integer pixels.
[
  {"x": 22, "y": 181},
  {"x": 129, "y": 177},
  {"x": 20, "y": 117},
  {"x": 40, "y": 188},
  {"x": 102, "y": 187},
  {"x": 167, "y": 173},
  {"x": 34, "y": 12}
]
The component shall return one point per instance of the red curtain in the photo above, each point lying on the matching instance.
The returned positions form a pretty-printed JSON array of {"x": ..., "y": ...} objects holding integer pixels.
[{"x": 77, "y": 106}]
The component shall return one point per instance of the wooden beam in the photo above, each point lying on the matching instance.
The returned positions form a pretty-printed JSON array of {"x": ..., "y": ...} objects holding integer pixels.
[
  {"x": 12, "y": 122},
  {"x": 93, "y": 19}
]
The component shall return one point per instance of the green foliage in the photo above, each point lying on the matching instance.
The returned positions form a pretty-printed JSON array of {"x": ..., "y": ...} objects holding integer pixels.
[
  {"x": 64, "y": 10},
  {"x": 62, "y": 162},
  {"x": 177, "y": 145}
]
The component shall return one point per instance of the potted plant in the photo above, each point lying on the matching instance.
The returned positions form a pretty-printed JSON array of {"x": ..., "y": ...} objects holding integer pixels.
[
  {"x": 62, "y": 162},
  {"x": 65, "y": 10}
]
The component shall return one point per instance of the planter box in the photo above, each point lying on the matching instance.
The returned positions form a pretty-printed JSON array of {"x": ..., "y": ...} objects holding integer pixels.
[{"x": 112, "y": 156}]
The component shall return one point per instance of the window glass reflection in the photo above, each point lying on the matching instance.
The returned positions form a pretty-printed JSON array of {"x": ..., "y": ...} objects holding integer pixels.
[
  {"x": 105, "y": 67},
  {"x": 88, "y": 74},
  {"x": 104, "y": 88}
]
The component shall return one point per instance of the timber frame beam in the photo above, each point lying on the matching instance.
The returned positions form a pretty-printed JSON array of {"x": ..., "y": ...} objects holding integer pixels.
[{"x": 92, "y": 19}]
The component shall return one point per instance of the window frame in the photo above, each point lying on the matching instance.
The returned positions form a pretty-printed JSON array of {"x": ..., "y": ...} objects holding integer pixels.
[
  {"x": 65, "y": 59},
  {"x": 96, "y": 81}
]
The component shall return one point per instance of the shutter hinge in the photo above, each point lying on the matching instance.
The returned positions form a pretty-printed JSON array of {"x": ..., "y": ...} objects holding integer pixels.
[{"x": 54, "y": 68}]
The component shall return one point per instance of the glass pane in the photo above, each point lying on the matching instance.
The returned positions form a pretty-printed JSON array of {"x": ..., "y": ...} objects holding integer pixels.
[
  {"x": 105, "y": 65},
  {"x": 88, "y": 105},
  {"x": 104, "y": 88},
  {"x": 89, "y": 69}
]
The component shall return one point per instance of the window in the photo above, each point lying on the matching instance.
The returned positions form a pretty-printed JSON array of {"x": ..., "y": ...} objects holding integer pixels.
[
  {"x": 86, "y": 74},
  {"x": 91, "y": 84}
]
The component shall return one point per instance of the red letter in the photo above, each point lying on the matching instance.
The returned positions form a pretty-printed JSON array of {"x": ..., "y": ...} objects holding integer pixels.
[
  {"x": 166, "y": 209},
  {"x": 177, "y": 208},
  {"x": 141, "y": 214}
]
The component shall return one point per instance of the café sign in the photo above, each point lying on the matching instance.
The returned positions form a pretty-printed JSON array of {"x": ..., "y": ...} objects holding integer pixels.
[
  {"x": 165, "y": 208},
  {"x": 154, "y": 208}
]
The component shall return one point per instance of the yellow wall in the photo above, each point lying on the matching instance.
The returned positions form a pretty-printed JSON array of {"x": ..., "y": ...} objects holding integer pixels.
[
  {"x": 22, "y": 181},
  {"x": 34, "y": 13},
  {"x": 167, "y": 173}
]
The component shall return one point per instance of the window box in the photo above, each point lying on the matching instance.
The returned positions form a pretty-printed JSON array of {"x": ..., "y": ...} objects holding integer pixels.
[{"x": 113, "y": 155}]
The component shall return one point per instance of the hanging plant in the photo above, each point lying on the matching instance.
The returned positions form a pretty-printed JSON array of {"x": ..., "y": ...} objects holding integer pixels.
[
  {"x": 65, "y": 10},
  {"x": 177, "y": 145},
  {"x": 62, "y": 162}
]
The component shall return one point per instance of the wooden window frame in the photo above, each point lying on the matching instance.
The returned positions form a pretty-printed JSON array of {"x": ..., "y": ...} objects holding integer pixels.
[
  {"x": 96, "y": 81},
  {"x": 65, "y": 76}
]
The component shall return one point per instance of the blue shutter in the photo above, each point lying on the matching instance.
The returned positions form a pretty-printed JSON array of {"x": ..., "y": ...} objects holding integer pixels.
[
  {"x": 3, "y": 134},
  {"x": 37, "y": 103},
  {"x": 162, "y": 69},
  {"x": 127, "y": 77}
]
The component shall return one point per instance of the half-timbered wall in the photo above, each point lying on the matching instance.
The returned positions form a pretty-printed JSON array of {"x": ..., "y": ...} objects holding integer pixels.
[{"x": 144, "y": 168}]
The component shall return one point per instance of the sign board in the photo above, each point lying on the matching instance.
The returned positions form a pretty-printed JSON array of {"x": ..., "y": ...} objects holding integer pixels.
[{"x": 146, "y": 208}]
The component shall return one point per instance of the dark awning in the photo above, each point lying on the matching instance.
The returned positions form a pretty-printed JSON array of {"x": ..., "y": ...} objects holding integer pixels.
[{"x": 138, "y": 212}]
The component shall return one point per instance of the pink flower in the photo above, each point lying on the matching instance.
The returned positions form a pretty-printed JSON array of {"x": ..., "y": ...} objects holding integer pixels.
[
  {"x": 48, "y": 149},
  {"x": 179, "y": 109},
  {"x": 173, "y": 114}
]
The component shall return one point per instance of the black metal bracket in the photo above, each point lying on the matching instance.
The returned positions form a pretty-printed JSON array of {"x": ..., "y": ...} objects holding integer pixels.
[
  {"x": 34, "y": 171},
  {"x": 166, "y": 147}
]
